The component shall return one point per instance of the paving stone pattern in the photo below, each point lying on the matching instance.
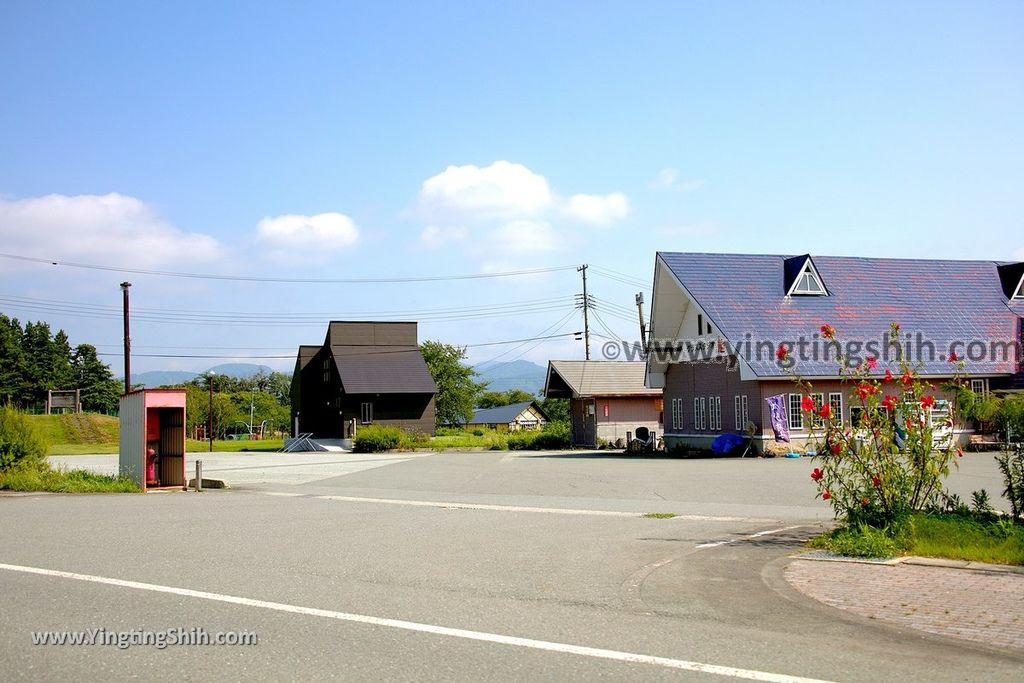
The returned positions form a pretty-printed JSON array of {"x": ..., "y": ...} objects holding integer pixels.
[{"x": 981, "y": 606}]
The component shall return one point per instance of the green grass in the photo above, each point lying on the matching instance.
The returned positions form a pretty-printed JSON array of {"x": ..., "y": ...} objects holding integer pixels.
[
  {"x": 83, "y": 448},
  {"x": 261, "y": 446},
  {"x": 80, "y": 428},
  {"x": 660, "y": 515},
  {"x": 954, "y": 537},
  {"x": 63, "y": 481},
  {"x": 452, "y": 438}
]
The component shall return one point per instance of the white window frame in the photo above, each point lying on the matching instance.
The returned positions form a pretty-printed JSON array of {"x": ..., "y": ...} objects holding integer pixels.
[
  {"x": 817, "y": 421},
  {"x": 740, "y": 412},
  {"x": 808, "y": 272},
  {"x": 677, "y": 413},
  {"x": 700, "y": 413},
  {"x": 715, "y": 413},
  {"x": 795, "y": 412},
  {"x": 835, "y": 402},
  {"x": 1019, "y": 294},
  {"x": 366, "y": 413},
  {"x": 982, "y": 386}
]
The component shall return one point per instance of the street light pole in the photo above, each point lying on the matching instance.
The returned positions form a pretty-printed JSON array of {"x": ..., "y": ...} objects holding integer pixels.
[
  {"x": 127, "y": 340},
  {"x": 209, "y": 427}
]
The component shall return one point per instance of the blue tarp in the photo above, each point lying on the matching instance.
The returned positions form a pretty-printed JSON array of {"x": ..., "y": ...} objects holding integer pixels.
[{"x": 726, "y": 443}]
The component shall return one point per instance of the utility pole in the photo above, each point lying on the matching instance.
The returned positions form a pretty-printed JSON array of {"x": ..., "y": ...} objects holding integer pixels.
[
  {"x": 640, "y": 311},
  {"x": 127, "y": 340},
  {"x": 586, "y": 309},
  {"x": 209, "y": 426}
]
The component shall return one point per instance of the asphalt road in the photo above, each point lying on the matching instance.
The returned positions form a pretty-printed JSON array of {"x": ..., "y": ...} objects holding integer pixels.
[{"x": 484, "y": 566}]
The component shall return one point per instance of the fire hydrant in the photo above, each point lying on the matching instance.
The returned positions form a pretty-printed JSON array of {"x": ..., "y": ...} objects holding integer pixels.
[{"x": 151, "y": 478}]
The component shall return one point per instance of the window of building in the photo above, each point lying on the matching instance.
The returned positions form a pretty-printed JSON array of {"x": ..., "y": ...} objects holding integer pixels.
[
  {"x": 817, "y": 420},
  {"x": 677, "y": 413},
  {"x": 700, "y": 413},
  {"x": 835, "y": 402},
  {"x": 327, "y": 376},
  {"x": 808, "y": 283},
  {"x": 796, "y": 416},
  {"x": 700, "y": 324},
  {"x": 980, "y": 387},
  {"x": 366, "y": 413},
  {"x": 715, "y": 413},
  {"x": 740, "y": 411},
  {"x": 1019, "y": 294}
]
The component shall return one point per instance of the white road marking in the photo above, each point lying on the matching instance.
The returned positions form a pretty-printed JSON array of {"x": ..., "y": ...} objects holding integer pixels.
[
  {"x": 530, "y": 643},
  {"x": 452, "y": 505},
  {"x": 715, "y": 544}
]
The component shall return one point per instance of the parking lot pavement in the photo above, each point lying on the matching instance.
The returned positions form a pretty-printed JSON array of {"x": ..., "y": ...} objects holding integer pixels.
[
  {"x": 256, "y": 469},
  {"x": 396, "y": 573}
]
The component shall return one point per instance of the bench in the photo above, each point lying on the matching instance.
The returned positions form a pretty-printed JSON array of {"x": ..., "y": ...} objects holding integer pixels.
[{"x": 983, "y": 442}]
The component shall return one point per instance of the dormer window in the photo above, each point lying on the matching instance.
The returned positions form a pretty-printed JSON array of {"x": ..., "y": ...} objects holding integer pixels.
[
  {"x": 1019, "y": 294},
  {"x": 1011, "y": 276},
  {"x": 807, "y": 282}
]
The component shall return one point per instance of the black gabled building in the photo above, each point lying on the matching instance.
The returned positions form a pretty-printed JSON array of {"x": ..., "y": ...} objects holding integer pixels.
[{"x": 370, "y": 372}]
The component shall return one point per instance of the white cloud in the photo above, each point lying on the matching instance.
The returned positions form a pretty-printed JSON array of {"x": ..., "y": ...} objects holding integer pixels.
[
  {"x": 694, "y": 230},
  {"x": 523, "y": 237},
  {"x": 433, "y": 237},
  {"x": 668, "y": 179},
  {"x": 324, "y": 232},
  {"x": 103, "y": 229},
  {"x": 598, "y": 209},
  {"x": 665, "y": 179},
  {"x": 502, "y": 190}
]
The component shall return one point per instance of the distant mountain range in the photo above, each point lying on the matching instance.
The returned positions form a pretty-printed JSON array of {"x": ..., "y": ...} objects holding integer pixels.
[
  {"x": 160, "y": 378},
  {"x": 517, "y": 374}
]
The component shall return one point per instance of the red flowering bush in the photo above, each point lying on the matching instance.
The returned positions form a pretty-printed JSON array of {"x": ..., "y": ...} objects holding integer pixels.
[{"x": 893, "y": 461}]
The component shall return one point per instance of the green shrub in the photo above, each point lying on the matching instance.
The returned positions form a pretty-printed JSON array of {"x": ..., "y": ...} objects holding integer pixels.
[
  {"x": 1011, "y": 464},
  {"x": 555, "y": 435},
  {"x": 20, "y": 443},
  {"x": 377, "y": 438},
  {"x": 863, "y": 540},
  {"x": 478, "y": 432},
  {"x": 41, "y": 477}
]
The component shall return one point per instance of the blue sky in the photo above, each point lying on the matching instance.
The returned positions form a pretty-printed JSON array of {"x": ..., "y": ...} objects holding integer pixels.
[{"x": 340, "y": 140}]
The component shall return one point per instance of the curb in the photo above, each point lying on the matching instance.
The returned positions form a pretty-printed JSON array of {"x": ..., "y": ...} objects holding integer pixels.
[
  {"x": 209, "y": 484},
  {"x": 826, "y": 556}
]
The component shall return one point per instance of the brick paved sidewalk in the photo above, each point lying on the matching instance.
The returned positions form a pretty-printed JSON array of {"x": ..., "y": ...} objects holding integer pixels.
[{"x": 973, "y": 604}]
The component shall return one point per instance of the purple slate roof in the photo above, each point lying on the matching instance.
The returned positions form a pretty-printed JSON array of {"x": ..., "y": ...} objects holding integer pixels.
[{"x": 945, "y": 301}]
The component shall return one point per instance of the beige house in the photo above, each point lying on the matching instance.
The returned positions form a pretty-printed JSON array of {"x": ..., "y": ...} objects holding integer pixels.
[
  {"x": 510, "y": 418},
  {"x": 607, "y": 398}
]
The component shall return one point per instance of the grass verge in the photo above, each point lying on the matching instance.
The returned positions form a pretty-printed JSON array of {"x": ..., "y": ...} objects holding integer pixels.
[
  {"x": 261, "y": 446},
  {"x": 44, "y": 478},
  {"x": 955, "y": 537},
  {"x": 660, "y": 515}
]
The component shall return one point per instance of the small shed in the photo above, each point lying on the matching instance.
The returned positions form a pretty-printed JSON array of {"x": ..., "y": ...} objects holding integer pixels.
[
  {"x": 153, "y": 419},
  {"x": 510, "y": 418},
  {"x": 607, "y": 398}
]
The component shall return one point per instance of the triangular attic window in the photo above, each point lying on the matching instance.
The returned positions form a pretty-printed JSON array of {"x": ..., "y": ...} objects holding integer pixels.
[
  {"x": 1019, "y": 294},
  {"x": 808, "y": 283}
]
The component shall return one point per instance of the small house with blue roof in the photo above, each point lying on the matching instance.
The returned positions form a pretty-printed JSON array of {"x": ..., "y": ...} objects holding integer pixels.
[
  {"x": 717, "y": 321},
  {"x": 510, "y": 418}
]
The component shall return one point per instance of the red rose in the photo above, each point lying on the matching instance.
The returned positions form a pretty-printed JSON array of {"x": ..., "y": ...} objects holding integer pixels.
[
  {"x": 889, "y": 402},
  {"x": 817, "y": 474},
  {"x": 807, "y": 405},
  {"x": 888, "y": 375},
  {"x": 825, "y": 411},
  {"x": 782, "y": 353},
  {"x": 908, "y": 378},
  {"x": 872, "y": 362},
  {"x": 864, "y": 502},
  {"x": 825, "y": 495},
  {"x": 828, "y": 332},
  {"x": 876, "y": 481},
  {"x": 863, "y": 391},
  {"x": 952, "y": 357},
  {"x": 927, "y": 401},
  {"x": 837, "y": 448}
]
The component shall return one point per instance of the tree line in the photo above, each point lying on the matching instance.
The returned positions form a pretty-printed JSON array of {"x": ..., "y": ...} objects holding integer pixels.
[{"x": 34, "y": 360}]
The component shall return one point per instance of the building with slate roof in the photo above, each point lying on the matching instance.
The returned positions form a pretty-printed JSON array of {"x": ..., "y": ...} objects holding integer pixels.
[
  {"x": 510, "y": 418},
  {"x": 718, "y": 319},
  {"x": 606, "y": 398},
  {"x": 364, "y": 373}
]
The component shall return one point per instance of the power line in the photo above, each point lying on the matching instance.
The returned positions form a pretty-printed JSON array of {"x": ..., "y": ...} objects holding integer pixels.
[{"x": 254, "y": 278}]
